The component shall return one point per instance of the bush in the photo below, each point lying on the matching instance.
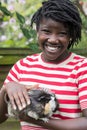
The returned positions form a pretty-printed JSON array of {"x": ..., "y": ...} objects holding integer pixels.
[{"x": 15, "y": 24}]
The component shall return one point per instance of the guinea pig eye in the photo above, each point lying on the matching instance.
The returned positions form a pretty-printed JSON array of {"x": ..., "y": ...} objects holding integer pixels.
[{"x": 42, "y": 98}]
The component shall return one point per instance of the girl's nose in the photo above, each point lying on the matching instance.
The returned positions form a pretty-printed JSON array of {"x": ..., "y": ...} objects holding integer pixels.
[{"x": 53, "y": 39}]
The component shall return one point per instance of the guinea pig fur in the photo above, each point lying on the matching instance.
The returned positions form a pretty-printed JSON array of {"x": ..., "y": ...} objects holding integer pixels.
[{"x": 43, "y": 104}]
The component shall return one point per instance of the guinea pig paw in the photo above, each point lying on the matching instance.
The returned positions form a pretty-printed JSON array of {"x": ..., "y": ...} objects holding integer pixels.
[
  {"x": 10, "y": 115},
  {"x": 7, "y": 115},
  {"x": 33, "y": 115},
  {"x": 45, "y": 119}
]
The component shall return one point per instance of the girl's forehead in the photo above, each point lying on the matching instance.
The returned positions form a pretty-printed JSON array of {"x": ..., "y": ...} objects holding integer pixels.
[{"x": 48, "y": 22}]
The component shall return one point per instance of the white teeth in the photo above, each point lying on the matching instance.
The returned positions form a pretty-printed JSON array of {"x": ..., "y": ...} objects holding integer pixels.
[{"x": 52, "y": 48}]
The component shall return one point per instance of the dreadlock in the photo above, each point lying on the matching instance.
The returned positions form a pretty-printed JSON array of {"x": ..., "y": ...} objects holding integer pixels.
[{"x": 61, "y": 11}]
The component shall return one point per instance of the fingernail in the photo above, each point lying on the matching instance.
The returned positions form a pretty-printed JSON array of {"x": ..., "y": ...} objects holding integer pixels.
[
  {"x": 14, "y": 107},
  {"x": 28, "y": 102},
  {"x": 24, "y": 105},
  {"x": 20, "y": 108}
]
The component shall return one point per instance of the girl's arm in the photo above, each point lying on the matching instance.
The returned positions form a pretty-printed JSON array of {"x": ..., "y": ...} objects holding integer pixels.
[
  {"x": 56, "y": 124},
  {"x": 3, "y": 106}
]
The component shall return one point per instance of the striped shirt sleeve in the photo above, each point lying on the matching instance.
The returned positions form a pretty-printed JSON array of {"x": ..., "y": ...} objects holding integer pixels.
[{"x": 82, "y": 84}]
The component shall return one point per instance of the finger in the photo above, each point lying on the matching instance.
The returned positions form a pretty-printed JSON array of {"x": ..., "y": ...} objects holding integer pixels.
[
  {"x": 26, "y": 96},
  {"x": 24, "y": 99},
  {"x": 17, "y": 101},
  {"x": 11, "y": 98},
  {"x": 28, "y": 87}
]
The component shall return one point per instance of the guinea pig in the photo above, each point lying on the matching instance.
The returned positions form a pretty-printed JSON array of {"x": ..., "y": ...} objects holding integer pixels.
[{"x": 43, "y": 104}]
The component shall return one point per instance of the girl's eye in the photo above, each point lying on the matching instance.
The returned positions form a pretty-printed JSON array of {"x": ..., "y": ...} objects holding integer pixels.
[
  {"x": 63, "y": 33},
  {"x": 45, "y": 30}
]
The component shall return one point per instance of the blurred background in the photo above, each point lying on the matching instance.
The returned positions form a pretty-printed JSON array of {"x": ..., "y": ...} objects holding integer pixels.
[{"x": 15, "y": 30}]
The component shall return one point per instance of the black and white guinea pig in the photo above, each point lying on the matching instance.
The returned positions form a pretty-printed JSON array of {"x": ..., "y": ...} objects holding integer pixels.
[{"x": 43, "y": 104}]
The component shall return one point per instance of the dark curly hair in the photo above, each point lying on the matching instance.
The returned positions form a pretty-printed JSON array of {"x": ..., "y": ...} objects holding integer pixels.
[{"x": 61, "y": 11}]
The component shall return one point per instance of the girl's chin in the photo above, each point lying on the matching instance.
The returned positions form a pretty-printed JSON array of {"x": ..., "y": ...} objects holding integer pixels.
[{"x": 49, "y": 58}]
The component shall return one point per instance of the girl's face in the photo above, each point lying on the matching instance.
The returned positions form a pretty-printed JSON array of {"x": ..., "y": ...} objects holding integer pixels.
[{"x": 53, "y": 38}]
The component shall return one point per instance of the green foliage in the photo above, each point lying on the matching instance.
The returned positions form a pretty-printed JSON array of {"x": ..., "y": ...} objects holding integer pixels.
[
  {"x": 20, "y": 18},
  {"x": 5, "y": 11},
  {"x": 17, "y": 31}
]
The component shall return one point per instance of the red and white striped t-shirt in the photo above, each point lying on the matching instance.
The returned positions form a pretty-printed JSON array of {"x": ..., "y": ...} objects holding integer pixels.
[{"x": 67, "y": 79}]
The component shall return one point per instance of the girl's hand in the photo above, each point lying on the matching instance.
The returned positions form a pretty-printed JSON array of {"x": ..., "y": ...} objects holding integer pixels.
[{"x": 17, "y": 94}]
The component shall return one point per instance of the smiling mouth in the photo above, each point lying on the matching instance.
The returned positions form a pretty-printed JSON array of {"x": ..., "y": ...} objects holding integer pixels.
[{"x": 52, "y": 48}]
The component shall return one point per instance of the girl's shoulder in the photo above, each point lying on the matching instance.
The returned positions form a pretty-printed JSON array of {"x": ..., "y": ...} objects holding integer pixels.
[
  {"x": 32, "y": 57},
  {"x": 79, "y": 59}
]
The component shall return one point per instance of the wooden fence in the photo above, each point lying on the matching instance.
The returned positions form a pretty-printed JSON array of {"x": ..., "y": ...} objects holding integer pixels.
[{"x": 8, "y": 56}]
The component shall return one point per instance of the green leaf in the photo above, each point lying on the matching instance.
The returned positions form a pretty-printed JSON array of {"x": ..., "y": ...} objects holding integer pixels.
[
  {"x": 20, "y": 18},
  {"x": 5, "y": 11},
  {"x": 26, "y": 32}
]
